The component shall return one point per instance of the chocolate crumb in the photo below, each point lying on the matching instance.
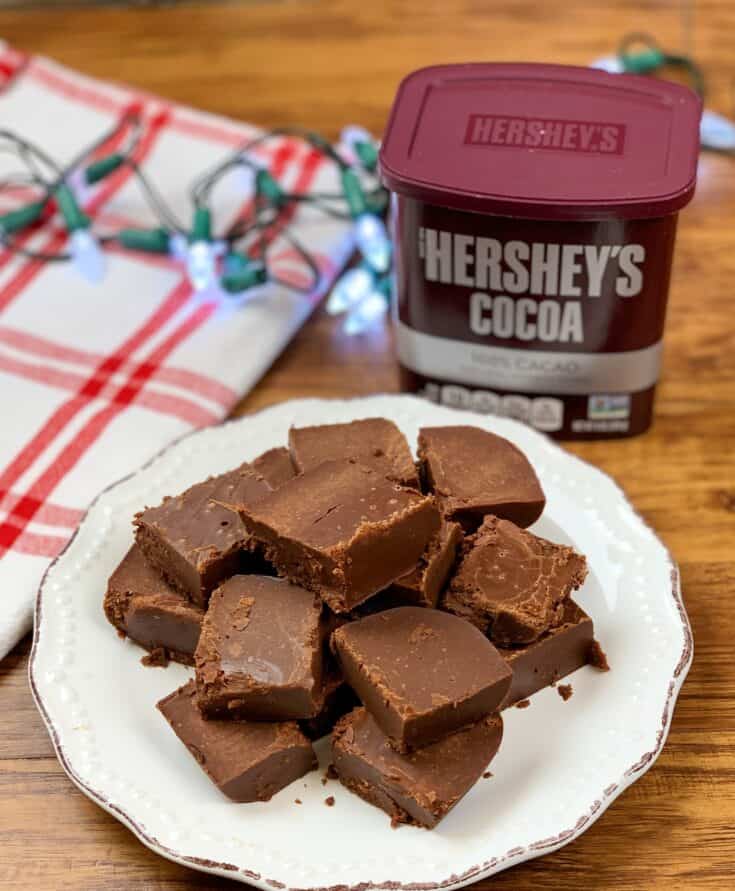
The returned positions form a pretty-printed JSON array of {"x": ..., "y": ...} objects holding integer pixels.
[
  {"x": 487, "y": 775},
  {"x": 332, "y": 772},
  {"x": 565, "y": 691},
  {"x": 597, "y": 657},
  {"x": 324, "y": 781},
  {"x": 329, "y": 801},
  {"x": 297, "y": 801},
  {"x": 421, "y": 633},
  {"x": 523, "y": 703},
  {"x": 157, "y": 658}
]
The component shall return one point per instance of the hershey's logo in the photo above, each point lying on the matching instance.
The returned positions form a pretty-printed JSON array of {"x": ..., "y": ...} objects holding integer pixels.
[
  {"x": 505, "y": 276},
  {"x": 591, "y": 137}
]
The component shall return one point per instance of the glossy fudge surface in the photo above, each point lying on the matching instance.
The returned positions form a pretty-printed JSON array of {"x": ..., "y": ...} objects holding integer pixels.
[
  {"x": 342, "y": 530},
  {"x": 142, "y": 605},
  {"x": 247, "y": 761},
  {"x": 372, "y": 441},
  {"x": 421, "y": 673},
  {"x": 420, "y": 787},
  {"x": 511, "y": 583},
  {"x": 474, "y": 473},
  {"x": 192, "y": 539},
  {"x": 261, "y": 651},
  {"x": 553, "y": 656}
]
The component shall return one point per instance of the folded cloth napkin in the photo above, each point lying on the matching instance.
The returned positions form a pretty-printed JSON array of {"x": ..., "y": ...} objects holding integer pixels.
[{"x": 96, "y": 378}]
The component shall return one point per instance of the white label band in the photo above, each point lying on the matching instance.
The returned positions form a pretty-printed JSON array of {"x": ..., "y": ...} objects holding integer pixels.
[{"x": 525, "y": 370}]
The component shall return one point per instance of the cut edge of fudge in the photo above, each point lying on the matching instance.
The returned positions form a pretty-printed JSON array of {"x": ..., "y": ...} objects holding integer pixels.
[
  {"x": 424, "y": 584},
  {"x": 367, "y": 765},
  {"x": 337, "y": 700},
  {"x": 197, "y": 572},
  {"x": 126, "y": 609},
  {"x": 555, "y": 655},
  {"x": 216, "y": 745}
]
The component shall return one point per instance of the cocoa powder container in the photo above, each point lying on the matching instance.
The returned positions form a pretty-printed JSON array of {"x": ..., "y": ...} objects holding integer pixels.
[{"x": 534, "y": 211}]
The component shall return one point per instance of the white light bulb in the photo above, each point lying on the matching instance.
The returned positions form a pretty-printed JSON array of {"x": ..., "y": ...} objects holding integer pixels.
[
  {"x": 369, "y": 310},
  {"x": 611, "y": 64},
  {"x": 79, "y": 185},
  {"x": 347, "y": 138},
  {"x": 716, "y": 132},
  {"x": 200, "y": 265},
  {"x": 355, "y": 285},
  {"x": 353, "y": 133},
  {"x": 371, "y": 238},
  {"x": 178, "y": 246},
  {"x": 86, "y": 255}
]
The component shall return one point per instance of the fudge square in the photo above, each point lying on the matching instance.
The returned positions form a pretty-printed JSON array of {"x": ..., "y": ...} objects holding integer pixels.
[
  {"x": 192, "y": 539},
  {"x": 421, "y": 673},
  {"x": 419, "y": 787},
  {"x": 247, "y": 761},
  {"x": 261, "y": 651},
  {"x": 473, "y": 473},
  {"x": 371, "y": 441},
  {"x": 342, "y": 530},
  {"x": 511, "y": 583},
  {"x": 142, "y": 605},
  {"x": 557, "y": 653}
]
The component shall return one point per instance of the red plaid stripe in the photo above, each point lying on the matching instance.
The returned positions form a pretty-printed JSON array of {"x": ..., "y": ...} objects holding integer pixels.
[
  {"x": 190, "y": 381},
  {"x": 165, "y": 403},
  {"x": 49, "y": 514}
]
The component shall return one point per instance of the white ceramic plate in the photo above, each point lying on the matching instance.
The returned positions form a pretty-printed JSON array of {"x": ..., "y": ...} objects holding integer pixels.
[{"x": 560, "y": 765}]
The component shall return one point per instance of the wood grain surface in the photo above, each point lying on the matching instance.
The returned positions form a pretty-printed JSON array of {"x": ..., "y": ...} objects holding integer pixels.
[{"x": 327, "y": 63}]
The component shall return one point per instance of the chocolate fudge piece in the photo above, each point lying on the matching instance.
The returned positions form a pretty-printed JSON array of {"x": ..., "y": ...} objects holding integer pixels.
[
  {"x": 275, "y": 466},
  {"x": 247, "y": 761},
  {"x": 421, "y": 673},
  {"x": 342, "y": 530},
  {"x": 337, "y": 700},
  {"x": 474, "y": 473},
  {"x": 552, "y": 657},
  {"x": 192, "y": 539},
  {"x": 420, "y": 787},
  {"x": 145, "y": 608},
  {"x": 371, "y": 441},
  {"x": 511, "y": 583},
  {"x": 261, "y": 652},
  {"x": 425, "y": 582}
]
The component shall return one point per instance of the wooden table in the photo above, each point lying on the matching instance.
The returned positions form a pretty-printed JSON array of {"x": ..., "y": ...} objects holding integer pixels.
[{"x": 326, "y": 63}]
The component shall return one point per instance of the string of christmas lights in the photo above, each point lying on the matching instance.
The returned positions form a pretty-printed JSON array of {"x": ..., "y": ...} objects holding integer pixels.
[
  {"x": 640, "y": 53},
  {"x": 233, "y": 264}
]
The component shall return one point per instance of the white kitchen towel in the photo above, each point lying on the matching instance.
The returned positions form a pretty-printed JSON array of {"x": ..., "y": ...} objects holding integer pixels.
[{"x": 96, "y": 378}]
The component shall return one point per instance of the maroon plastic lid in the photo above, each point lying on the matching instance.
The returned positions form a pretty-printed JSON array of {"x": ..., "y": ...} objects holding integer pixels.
[{"x": 542, "y": 141}]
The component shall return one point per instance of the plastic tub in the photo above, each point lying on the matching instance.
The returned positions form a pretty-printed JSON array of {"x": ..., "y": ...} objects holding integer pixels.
[{"x": 534, "y": 212}]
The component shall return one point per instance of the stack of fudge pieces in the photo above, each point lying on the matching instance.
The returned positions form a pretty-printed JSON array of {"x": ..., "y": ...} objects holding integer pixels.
[{"x": 337, "y": 586}]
